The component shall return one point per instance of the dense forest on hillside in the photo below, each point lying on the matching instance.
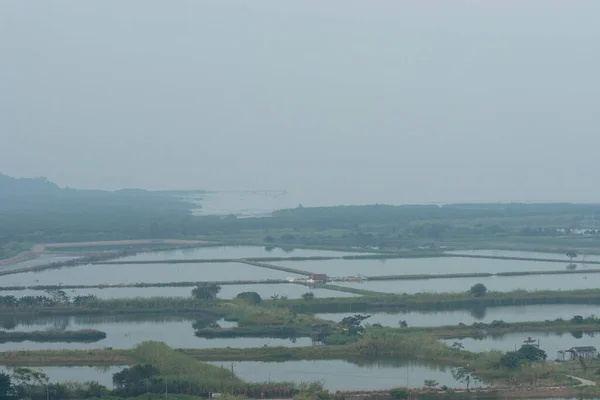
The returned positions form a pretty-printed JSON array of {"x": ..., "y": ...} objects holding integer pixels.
[{"x": 36, "y": 210}]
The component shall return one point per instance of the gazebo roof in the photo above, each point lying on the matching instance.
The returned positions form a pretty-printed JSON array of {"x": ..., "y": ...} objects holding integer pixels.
[{"x": 583, "y": 349}]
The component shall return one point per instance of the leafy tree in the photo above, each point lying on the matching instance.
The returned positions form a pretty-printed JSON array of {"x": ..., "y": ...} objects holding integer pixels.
[
  {"x": 510, "y": 359},
  {"x": 58, "y": 296},
  {"x": 399, "y": 393},
  {"x": 457, "y": 346},
  {"x": 465, "y": 374},
  {"x": 28, "y": 382},
  {"x": 249, "y": 297},
  {"x": 308, "y": 296},
  {"x": 478, "y": 290},
  {"x": 430, "y": 383},
  {"x": 353, "y": 325},
  {"x": 205, "y": 323},
  {"x": 403, "y": 324},
  {"x": 92, "y": 389},
  {"x": 135, "y": 380},
  {"x": 571, "y": 255},
  {"x": 83, "y": 299},
  {"x": 577, "y": 319},
  {"x": 206, "y": 291},
  {"x": 6, "y": 388},
  {"x": 531, "y": 353}
]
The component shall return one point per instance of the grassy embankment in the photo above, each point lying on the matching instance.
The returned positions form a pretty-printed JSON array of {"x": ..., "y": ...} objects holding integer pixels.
[
  {"x": 366, "y": 303},
  {"x": 85, "y": 335},
  {"x": 438, "y": 301}
]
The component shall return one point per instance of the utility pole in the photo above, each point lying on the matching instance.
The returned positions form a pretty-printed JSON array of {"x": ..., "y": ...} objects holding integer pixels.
[{"x": 166, "y": 389}]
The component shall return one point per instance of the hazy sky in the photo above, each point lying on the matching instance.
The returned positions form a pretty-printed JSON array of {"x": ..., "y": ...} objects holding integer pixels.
[{"x": 337, "y": 101}]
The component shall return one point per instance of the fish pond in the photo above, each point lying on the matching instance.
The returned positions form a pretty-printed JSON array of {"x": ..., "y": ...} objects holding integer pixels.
[
  {"x": 419, "y": 266},
  {"x": 527, "y": 313},
  {"x": 493, "y": 283},
  {"x": 123, "y": 274},
  {"x": 127, "y": 331},
  {"x": 344, "y": 375},
  {"x": 550, "y": 342}
]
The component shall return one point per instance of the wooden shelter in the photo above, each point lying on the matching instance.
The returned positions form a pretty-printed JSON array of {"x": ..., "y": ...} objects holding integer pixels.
[{"x": 575, "y": 352}]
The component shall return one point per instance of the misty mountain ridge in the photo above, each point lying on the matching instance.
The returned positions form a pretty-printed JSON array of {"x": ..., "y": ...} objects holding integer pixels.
[{"x": 42, "y": 194}]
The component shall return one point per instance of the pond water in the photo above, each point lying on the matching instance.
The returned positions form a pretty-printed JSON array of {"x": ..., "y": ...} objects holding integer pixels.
[
  {"x": 126, "y": 333},
  {"x": 116, "y": 274},
  {"x": 343, "y": 375},
  {"x": 528, "y": 254},
  {"x": 453, "y": 317},
  {"x": 551, "y": 343},
  {"x": 102, "y": 375},
  {"x": 493, "y": 283},
  {"x": 412, "y": 266},
  {"x": 293, "y": 291},
  {"x": 230, "y": 252}
]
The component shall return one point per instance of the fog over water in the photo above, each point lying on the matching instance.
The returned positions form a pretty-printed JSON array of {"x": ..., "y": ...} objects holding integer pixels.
[{"x": 334, "y": 102}]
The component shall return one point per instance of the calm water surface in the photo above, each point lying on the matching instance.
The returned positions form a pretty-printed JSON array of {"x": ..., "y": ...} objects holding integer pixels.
[
  {"x": 486, "y": 315},
  {"x": 124, "y": 334},
  {"x": 528, "y": 254},
  {"x": 411, "y": 266},
  {"x": 551, "y": 343},
  {"x": 493, "y": 283},
  {"x": 343, "y": 375},
  {"x": 116, "y": 274}
]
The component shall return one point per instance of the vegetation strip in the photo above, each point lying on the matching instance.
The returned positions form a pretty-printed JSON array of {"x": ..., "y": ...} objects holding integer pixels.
[
  {"x": 43, "y": 305},
  {"x": 146, "y": 285},
  {"x": 85, "y": 335},
  {"x": 494, "y": 328},
  {"x": 479, "y": 275}
]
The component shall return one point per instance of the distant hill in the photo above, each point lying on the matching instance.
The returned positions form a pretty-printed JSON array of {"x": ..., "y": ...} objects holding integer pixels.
[{"x": 40, "y": 194}]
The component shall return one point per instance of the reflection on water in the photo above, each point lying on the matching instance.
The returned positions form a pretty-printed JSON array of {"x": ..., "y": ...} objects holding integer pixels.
[
  {"x": 344, "y": 375},
  {"x": 540, "y": 312},
  {"x": 550, "y": 342},
  {"x": 124, "y": 332}
]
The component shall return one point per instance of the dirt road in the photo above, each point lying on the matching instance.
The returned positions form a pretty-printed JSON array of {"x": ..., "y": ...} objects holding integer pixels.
[{"x": 584, "y": 382}]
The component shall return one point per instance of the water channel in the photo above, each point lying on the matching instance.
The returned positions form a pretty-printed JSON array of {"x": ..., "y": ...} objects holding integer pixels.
[
  {"x": 539, "y": 312},
  {"x": 417, "y": 266},
  {"x": 127, "y": 331},
  {"x": 344, "y": 375}
]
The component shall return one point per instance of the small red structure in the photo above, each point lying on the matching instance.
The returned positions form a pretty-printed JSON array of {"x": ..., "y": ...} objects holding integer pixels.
[{"x": 321, "y": 278}]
